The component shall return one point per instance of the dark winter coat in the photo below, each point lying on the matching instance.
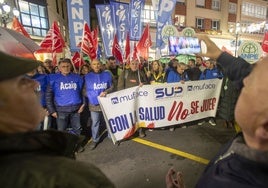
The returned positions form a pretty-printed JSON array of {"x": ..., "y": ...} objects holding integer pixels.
[
  {"x": 45, "y": 159},
  {"x": 236, "y": 166},
  {"x": 228, "y": 98}
]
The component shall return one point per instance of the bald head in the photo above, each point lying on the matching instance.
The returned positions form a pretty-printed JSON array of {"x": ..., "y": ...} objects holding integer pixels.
[{"x": 252, "y": 107}]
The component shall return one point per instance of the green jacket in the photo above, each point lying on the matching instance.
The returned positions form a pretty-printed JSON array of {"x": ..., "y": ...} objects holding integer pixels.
[{"x": 45, "y": 159}]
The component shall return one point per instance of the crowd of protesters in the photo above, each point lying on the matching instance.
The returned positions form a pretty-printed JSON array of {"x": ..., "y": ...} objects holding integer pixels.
[
  {"x": 24, "y": 152},
  {"x": 69, "y": 96}
]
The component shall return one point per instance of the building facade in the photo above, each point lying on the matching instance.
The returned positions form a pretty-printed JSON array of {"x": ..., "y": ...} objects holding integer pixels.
[
  {"x": 227, "y": 22},
  {"x": 37, "y": 16}
]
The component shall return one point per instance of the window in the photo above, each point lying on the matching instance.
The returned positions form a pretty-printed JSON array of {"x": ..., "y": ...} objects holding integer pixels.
[
  {"x": 34, "y": 18},
  {"x": 179, "y": 20},
  {"x": 199, "y": 23},
  {"x": 182, "y": 2},
  {"x": 200, "y": 3},
  {"x": 232, "y": 8},
  {"x": 149, "y": 15},
  {"x": 216, "y": 5},
  {"x": 215, "y": 25},
  {"x": 254, "y": 10}
]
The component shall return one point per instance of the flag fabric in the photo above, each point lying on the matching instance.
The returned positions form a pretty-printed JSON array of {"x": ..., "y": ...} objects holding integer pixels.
[
  {"x": 135, "y": 18},
  {"x": 107, "y": 25},
  {"x": 120, "y": 15},
  {"x": 144, "y": 43},
  {"x": 95, "y": 34},
  {"x": 164, "y": 14},
  {"x": 127, "y": 49},
  {"x": 116, "y": 50},
  {"x": 265, "y": 43},
  {"x": 77, "y": 60},
  {"x": 53, "y": 41},
  {"x": 87, "y": 44},
  {"x": 78, "y": 13},
  {"x": 17, "y": 26}
]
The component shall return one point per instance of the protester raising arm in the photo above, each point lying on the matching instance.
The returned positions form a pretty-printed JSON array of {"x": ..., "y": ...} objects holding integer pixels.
[
  {"x": 243, "y": 161},
  {"x": 236, "y": 69}
]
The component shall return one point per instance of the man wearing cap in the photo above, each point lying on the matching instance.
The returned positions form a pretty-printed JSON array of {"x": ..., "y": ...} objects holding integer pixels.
[{"x": 31, "y": 158}]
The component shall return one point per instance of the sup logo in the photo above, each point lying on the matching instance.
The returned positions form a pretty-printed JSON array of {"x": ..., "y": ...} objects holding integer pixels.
[{"x": 168, "y": 92}]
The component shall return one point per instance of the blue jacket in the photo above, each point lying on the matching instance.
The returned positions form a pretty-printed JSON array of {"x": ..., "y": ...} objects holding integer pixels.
[
  {"x": 174, "y": 76},
  {"x": 42, "y": 79},
  {"x": 96, "y": 83},
  {"x": 211, "y": 74},
  {"x": 64, "y": 93}
]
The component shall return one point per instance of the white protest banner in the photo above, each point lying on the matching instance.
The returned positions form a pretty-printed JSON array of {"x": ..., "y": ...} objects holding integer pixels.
[{"x": 159, "y": 105}]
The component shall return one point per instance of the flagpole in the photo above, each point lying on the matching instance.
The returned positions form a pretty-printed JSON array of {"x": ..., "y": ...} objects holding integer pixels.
[{"x": 75, "y": 71}]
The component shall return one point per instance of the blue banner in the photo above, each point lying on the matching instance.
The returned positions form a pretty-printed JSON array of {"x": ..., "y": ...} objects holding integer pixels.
[
  {"x": 107, "y": 27},
  {"x": 165, "y": 10},
  {"x": 135, "y": 30},
  {"x": 78, "y": 13},
  {"x": 120, "y": 14}
]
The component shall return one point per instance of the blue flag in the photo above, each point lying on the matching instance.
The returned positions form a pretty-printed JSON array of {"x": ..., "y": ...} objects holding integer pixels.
[
  {"x": 120, "y": 12},
  {"x": 135, "y": 30},
  {"x": 107, "y": 27},
  {"x": 78, "y": 13},
  {"x": 165, "y": 10}
]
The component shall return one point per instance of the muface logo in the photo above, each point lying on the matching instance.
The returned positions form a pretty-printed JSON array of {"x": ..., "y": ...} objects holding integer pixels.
[
  {"x": 132, "y": 96},
  {"x": 168, "y": 92},
  {"x": 200, "y": 87}
]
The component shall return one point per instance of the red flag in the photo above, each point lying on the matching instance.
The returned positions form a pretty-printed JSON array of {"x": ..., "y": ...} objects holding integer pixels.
[
  {"x": 17, "y": 26},
  {"x": 144, "y": 43},
  {"x": 127, "y": 49},
  {"x": 77, "y": 60},
  {"x": 94, "y": 35},
  {"x": 116, "y": 50},
  {"x": 265, "y": 43},
  {"x": 87, "y": 44},
  {"x": 53, "y": 41}
]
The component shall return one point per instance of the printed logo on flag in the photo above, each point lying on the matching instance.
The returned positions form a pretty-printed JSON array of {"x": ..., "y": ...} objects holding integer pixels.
[
  {"x": 107, "y": 27},
  {"x": 120, "y": 14},
  {"x": 135, "y": 27},
  {"x": 250, "y": 51},
  {"x": 78, "y": 13},
  {"x": 164, "y": 14}
]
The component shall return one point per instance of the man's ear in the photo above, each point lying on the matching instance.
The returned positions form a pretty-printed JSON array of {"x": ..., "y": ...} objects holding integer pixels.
[{"x": 262, "y": 132}]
